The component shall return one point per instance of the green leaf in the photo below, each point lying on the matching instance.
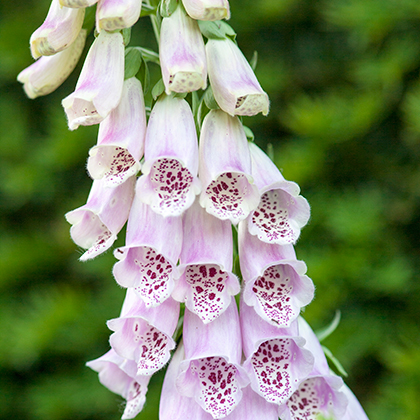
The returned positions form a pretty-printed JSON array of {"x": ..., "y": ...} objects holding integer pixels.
[
  {"x": 335, "y": 361},
  {"x": 209, "y": 99},
  {"x": 149, "y": 55},
  {"x": 329, "y": 329},
  {"x": 248, "y": 132},
  {"x": 158, "y": 89},
  {"x": 167, "y": 7},
  {"x": 126, "y": 33},
  {"x": 218, "y": 29},
  {"x": 147, "y": 10},
  {"x": 144, "y": 77},
  {"x": 133, "y": 60},
  {"x": 90, "y": 16},
  {"x": 181, "y": 95}
]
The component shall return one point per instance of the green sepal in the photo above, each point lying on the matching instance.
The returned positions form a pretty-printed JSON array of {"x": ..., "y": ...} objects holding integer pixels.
[
  {"x": 167, "y": 7},
  {"x": 248, "y": 132},
  {"x": 133, "y": 61},
  {"x": 90, "y": 16},
  {"x": 329, "y": 329},
  {"x": 147, "y": 10},
  {"x": 209, "y": 99},
  {"x": 217, "y": 29},
  {"x": 254, "y": 60},
  {"x": 334, "y": 361},
  {"x": 158, "y": 89},
  {"x": 181, "y": 95},
  {"x": 144, "y": 76},
  {"x": 149, "y": 55},
  {"x": 126, "y": 33}
]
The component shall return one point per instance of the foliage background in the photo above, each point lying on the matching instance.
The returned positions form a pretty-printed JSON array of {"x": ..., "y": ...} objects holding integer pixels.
[{"x": 343, "y": 78}]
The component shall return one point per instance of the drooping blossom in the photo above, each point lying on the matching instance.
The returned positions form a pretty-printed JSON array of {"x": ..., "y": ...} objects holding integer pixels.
[
  {"x": 48, "y": 73},
  {"x": 120, "y": 376},
  {"x": 207, "y": 9},
  {"x": 77, "y": 3},
  {"x": 169, "y": 182},
  {"x": 59, "y": 30},
  {"x": 99, "y": 88},
  {"x": 120, "y": 138},
  {"x": 210, "y": 372},
  {"x": 276, "y": 361},
  {"x": 225, "y": 168},
  {"x": 206, "y": 282},
  {"x": 96, "y": 224},
  {"x": 235, "y": 86},
  {"x": 282, "y": 212},
  {"x": 182, "y": 54},
  {"x": 321, "y": 392},
  {"x": 275, "y": 283},
  {"x": 113, "y": 15},
  {"x": 144, "y": 334},
  {"x": 150, "y": 254}
]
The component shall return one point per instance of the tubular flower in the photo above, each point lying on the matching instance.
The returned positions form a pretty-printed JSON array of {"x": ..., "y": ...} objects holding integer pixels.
[
  {"x": 144, "y": 334},
  {"x": 169, "y": 182},
  {"x": 60, "y": 29},
  {"x": 148, "y": 259},
  {"x": 321, "y": 393},
  {"x": 282, "y": 212},
  {"x": 119, "y": 375},
  {"x": 225, "y": 168},
  {"x": 97, "y": 223},
  {"x": 211, "y": 372},
  {"x": 182, "y": 54},
  {"x": 206, "y": 282},
  {"x": 235, "y": 87},
  {"x": 48, "y": 73},
  {"x": 78, "y": 3},
  {"x": 207, "y": 9},
  {"x": 275, "y": 282},
  {"x": 113, "y": 15},
  {"x": 276, "y": 361},
  {"x": 99, "y": 88},
  {"x": 120, "y": 138}
]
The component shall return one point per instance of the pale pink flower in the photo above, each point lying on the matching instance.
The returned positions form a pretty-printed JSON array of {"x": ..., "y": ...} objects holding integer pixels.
[
  {"x": 60, "y": 29},
  {"x": 48, "y": 73},
  {"x": 97, "y": 223},
  {"x": 235, "y": 87},
  {"x": 113, "y": 15},
  {"x": 169, "y": 182},
  {"x": 225, "y": 168},
  {"x": 120, "y": 138},
  {"x": 77, "y": 3},
  {"x": 206, "y": 282},
  {"x": 99, "y": 88},
  {"x": 282, "y": 212},
  {"x": 144, "y": 334},
  {"x": 207, "y": 9},
  {"x": 182, "y": 54}
]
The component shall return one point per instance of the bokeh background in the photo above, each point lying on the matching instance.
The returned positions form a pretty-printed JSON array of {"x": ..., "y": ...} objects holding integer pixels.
[{"x": 343, "y": 78}]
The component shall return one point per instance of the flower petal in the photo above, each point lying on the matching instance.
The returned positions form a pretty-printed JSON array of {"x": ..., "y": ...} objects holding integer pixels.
[
  {"x": 113, "y": 15},
  {"x": 207, "y": 9}
]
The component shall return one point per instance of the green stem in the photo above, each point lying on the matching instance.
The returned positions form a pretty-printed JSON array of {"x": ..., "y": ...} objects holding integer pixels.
[{"x": 155, "y": 22}]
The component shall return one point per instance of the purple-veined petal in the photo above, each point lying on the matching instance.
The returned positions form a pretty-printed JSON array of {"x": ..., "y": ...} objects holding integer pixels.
[
  {"x": 48, "y": 73},
  {"x": 275, "y": 282},
  {"x": 113, "y": 15},
  {"x": 148, "y": 259},
  {"x": 235, "y": 87},
  {"x": 99, "y": 88},
  {"x": 211, "y": 371},
  {"x": 119, "y": 376},
  {"x": 206, "y": 282},
  {"x": 169, "y": 182},
  {"x": 77, "y": 3},
  {"x": 120, "y": 138},
  {"x": 182, "y": 54},
  {"x": 282, "y": 212},
  {"x": 59, "y": 30},
  {"x": 144, "y": 334},
  {"x": 207, "y": 9},
  {"x": 276, "y": 361},
  {"x": 96, "y": 224},
  {"x": 225, "y": 168}
]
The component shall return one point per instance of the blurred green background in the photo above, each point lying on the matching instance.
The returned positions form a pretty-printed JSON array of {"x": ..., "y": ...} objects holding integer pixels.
[{"x": 343, "y": 78}]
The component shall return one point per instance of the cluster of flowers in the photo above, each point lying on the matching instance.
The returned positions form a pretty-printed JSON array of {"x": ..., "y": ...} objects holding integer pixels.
[{"x": 262, "y": 362}]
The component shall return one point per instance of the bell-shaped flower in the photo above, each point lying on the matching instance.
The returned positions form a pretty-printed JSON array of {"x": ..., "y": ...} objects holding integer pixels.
[
  {"x": 225, "y": 168},
  {"x": 120, "y": 145},
  {"x": 282, "y": 212},
  {"x": 169, "y": 182},
  {"x": 48, "y": 73},
  {"x": 207, "y": 9},
  {"x": 182, "y": 54},
  {"x": 321, "y": 392},
  {"x": 60, "y": 29},
  {"x": 113, "y": 15},
  {"x": 276, "y": 361},
  {"x": 148, "y": 259},
  {"x": 144, "y": 334},
  {"x": 97, "y": 223},
  {"x": 99, "y": 88},
  {"x": 78, "y": 3},
  {"x": 119, "y": 375},
  {"x": 235, "y": 86},
  {"x": 275, "y": 283},
  {"x": 206, "y": 282},
  {"x": 211, "y": 372},
  {"x": 174, "y": 406}
]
